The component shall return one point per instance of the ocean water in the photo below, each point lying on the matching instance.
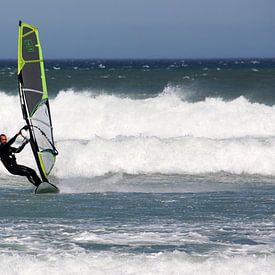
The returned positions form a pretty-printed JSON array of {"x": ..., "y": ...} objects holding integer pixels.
[{"x": 164, "y": 167}]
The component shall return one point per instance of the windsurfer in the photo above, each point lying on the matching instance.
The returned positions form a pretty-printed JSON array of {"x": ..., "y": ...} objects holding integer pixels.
[{"x": 7, "y": 155}]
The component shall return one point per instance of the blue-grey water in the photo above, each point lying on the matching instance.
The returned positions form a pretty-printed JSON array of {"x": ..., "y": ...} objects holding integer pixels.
[{"x": 164, "y": 167}]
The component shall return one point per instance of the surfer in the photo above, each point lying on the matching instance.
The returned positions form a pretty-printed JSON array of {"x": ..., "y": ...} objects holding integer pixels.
[{"x": 7, "y": 155}]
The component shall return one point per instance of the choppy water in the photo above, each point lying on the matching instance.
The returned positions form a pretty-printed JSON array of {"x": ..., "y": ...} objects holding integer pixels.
[{"x": 164, "y": 167}]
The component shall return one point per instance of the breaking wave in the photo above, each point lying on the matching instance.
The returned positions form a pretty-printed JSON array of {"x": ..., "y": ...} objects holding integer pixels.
[{"x": 99, "y": 133}]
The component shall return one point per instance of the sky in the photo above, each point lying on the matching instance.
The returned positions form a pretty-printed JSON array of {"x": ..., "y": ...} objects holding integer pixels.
[{"x": 143, "y": 28}]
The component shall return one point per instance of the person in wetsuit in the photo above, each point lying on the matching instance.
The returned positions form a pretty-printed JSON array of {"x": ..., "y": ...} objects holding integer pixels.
[{"x": 7, "y": 155}]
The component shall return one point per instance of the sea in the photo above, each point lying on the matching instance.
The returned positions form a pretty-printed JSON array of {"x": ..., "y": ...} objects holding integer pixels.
[{"x": 164, "y": 167}]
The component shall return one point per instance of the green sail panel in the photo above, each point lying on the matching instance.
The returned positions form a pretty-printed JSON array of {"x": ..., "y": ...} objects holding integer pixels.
[{"x": 34, "y": 98}]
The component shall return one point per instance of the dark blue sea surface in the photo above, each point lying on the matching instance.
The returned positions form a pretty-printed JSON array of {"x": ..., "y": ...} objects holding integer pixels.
[{"x": 229, "y": 79}]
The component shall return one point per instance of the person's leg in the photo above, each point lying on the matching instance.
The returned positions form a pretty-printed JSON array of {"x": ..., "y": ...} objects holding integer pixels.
[{"x": 21, "y": 170}]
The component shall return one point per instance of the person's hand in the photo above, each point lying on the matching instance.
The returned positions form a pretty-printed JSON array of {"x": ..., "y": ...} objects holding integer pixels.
[{"x": 26, "y": 127}]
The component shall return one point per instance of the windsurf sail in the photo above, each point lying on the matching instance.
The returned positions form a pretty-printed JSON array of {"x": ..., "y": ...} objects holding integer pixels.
[{"x": 34, "y": 98}]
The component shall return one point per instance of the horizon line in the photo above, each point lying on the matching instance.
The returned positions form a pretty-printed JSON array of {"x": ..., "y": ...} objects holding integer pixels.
[{"x": 147, "y": 58}]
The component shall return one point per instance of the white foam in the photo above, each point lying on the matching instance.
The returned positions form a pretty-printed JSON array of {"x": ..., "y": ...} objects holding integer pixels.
[
  {"x": 111, "y": 263},
  {"x": 144, "y": 236},
  {"x": 82, "y": 115},
  {"x": 85, "y": 115},
  {"x": 11, "y": 118},
  {"x": 134, "y": 155}
]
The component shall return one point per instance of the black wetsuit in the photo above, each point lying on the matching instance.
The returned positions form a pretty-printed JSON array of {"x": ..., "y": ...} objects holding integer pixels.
[{"x": 7, "y": 155}]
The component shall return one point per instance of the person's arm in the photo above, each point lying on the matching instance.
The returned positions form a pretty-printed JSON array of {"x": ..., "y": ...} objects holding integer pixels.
[
  {"x": 12, "y": 140},
  {"x": 20, "y": 148}
]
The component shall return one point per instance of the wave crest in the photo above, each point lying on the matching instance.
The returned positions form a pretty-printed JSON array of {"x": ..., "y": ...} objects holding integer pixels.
[{"x": 164, "y": 116}]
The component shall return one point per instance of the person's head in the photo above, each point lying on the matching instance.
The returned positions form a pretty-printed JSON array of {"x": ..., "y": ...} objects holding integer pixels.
[{"x": 3, "y": 139}]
